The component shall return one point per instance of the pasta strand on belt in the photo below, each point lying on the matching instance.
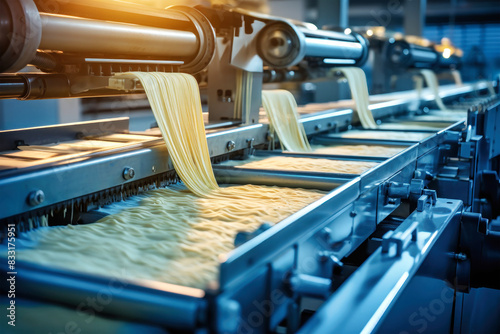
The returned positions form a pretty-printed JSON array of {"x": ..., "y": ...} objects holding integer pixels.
[
  {"x": 171, "y": 235},
  {"x": 303, "y": 164}
]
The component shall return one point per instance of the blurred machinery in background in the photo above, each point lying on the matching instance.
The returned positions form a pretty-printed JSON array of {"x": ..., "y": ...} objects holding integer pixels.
[{"x": 396, "y": 58}]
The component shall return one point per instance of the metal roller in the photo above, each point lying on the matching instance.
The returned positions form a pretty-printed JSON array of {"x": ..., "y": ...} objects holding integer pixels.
[
  {"x": 453, "y": 62},
  {"x": 87, "y": 37},
  {"x": 400, "y": 53},
  {"x": 12, "y": 87},
  {"x": 282, "y": 44}
]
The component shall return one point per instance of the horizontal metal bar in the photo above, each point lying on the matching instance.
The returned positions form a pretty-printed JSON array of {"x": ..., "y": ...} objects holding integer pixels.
[
  {"x": 306, "y": 180},
  {"x": 132, "y": 61},
  {"x": 316, "y": 47},
  {"x": 104, "y": 169},
  {"x": 79, "y": 35},
  {"x": 12, "y": 87},
  {"x": 389, "y": 167},
  {"x": 319, "y": 156},
  {"x": 160, "y": 303},
  {"x": 9, "y": 139},
  {"x": 330, "y": 140}
]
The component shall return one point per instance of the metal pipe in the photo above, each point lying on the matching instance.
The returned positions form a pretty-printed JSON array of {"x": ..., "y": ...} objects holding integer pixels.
[
  {"x": 44, "y": 61},
  {"x": 281, "y": 44},
  {"x": 162, "y": 304},
  {"x": 78, "y": 35},
  {"x": 403, "y": 54},
  {"x": 328, "y": 34},
  {"x": 28, "y": 86},
  {"x": 423, "y": 55},
  {"x": 309, "y": 180},
  {"x": 328, "y": 48},
  {"x": 120, "y": 11},
  {"x": 12, "y": 87},
  {"x": 451, "y": 62}
]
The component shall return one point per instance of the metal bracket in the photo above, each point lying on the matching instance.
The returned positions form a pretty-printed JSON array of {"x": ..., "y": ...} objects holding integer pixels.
[
  {"x": 449, "y": 171},
  {"x": 444, "y": 153},
  {"x": 451, "y": 137},
  {"x": 477, "y": 219},
  {"x": 251, "y": 149},
  {"x": 467, "y": 149},
  {"x": 428, "y": 197},
  {"x": 307, "y": 285},
  {"x": 400, "y": 239},
  {"x": 125, "y": 83},
  {"x": 242, "y": 237},
  {"x": 228, "y": 315},
  {"x": 330, "y": 256},
  {"x": 397, "y": 190}
]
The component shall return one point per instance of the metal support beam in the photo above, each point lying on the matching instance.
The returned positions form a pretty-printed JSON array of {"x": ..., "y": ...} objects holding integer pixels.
[
  {"x": 414, "y": 17},
  {"x": 333, "y": 13}
]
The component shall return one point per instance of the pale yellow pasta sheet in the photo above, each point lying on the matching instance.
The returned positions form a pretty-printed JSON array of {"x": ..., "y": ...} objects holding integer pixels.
[
  {"x": 281, "y": 108},
  {"x": 305, "y": 164},
  {"x": 172, "y": 236}
]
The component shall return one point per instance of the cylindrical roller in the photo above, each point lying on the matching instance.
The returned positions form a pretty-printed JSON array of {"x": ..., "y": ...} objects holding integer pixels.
[
  {"x": 453, "y": 62},
  {"x": 206, "y": 35},
  {"x": 310, "y": 180},
  {"x": 281, "y": 44},
  {"x": 27, "y": 86},
  {"x": 422, "y": 55},
  {"x": 12, "y": 87},
  {"x": 328, "y": 48},
  {"x": 117, "y": 11},
  {"x": 402, "y": 54},
  {"x": 83, "y": 37},
  {"x": 86, "y": 36}
]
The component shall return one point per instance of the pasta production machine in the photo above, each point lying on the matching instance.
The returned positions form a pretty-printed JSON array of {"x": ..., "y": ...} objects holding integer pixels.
[
  {"x": 408, "y": 242},
  {"x": 78, "y": 59}
]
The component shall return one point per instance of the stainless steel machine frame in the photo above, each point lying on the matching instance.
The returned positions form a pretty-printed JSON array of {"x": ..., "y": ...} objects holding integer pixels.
[
  {"x": 364, "y": 248},
  {"x": 272, "y": 277}
]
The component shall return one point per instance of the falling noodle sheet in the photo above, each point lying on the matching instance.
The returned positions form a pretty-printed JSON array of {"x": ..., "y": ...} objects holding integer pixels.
[
  {"x": 432, "y": 82},
  {"x": 175, "y": 101},
  {"x": 281, "y": 108},
  {"x": 457, "y": 77},
  {"x": 356, "y": 79}
]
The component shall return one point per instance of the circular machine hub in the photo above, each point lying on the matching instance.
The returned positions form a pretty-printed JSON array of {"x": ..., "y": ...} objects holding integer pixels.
[{"x": 20, "y": 34}]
